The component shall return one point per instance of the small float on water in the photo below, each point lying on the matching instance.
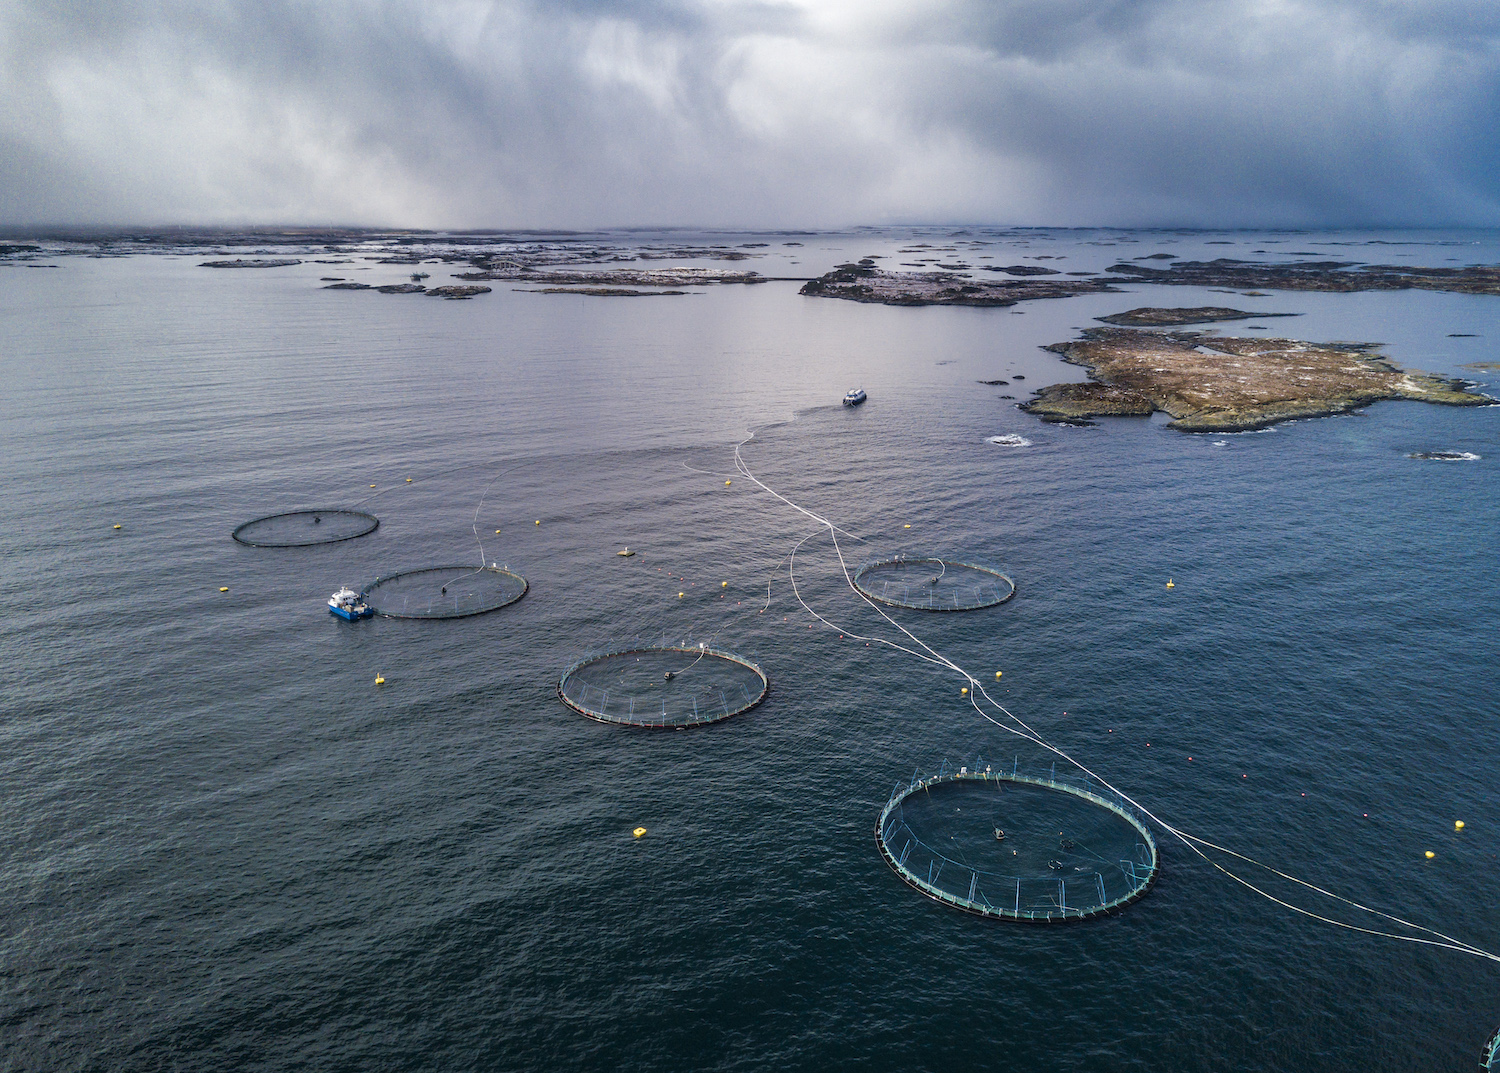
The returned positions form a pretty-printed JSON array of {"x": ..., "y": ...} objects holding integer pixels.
[
  {"x": 855, "y": 397},
  {"x": 347, "y": 604}
]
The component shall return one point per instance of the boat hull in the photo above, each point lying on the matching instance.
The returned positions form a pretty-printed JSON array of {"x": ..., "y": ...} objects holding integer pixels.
[{"x": 350, "y": 615}]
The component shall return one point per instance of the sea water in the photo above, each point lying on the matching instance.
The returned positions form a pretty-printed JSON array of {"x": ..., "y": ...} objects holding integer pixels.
[{"x": 225, "y": 847}]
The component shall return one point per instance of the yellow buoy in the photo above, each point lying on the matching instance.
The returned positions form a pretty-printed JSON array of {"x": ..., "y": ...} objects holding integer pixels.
[
  {"x": 1430, "y": 855},
  {"x": 380, "y": 679},
  {"x": 726, "y": 484},
  {"x": 372, "y": 486},
  {"x": 408, "y": 480},
  {"x": 1169, "y": 584},
  {"x": 538, "y": 521},
  {"x": 964, "y": 691},
  {"x": 497, "y": 531},
  {"x": 725, "y": 585},
  {"x": 906, "y": 527},
  {"x": 119, "y": 527},
  {"x": 999, "y": 673},
  {"x": 223, "y": 588},
  {"x": 679, "y": 595},
  {"x": 638, "y": 832},
  {"x": 1458, "y": 825}
]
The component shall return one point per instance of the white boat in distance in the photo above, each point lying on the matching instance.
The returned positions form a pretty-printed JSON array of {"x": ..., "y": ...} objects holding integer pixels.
[{"x": 855, "y": 397}]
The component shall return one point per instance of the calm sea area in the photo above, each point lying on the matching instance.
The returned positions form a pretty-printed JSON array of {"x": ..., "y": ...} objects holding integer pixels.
[{"x": 222, "y": 846}]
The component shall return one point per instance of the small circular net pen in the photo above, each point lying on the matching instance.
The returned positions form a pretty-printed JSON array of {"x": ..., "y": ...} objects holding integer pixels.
[
  {"x": 444, "y": 591},
  {"x": 303, "y": 528},
  {"x": 1489, "y": 1058},
  {"x": 927, "y": 583},
  {"x": 1037, "y": 848},
  {"x": 664, "y": 686}
]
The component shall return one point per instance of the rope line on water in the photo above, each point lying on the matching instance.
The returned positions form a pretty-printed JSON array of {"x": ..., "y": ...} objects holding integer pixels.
[{"x": 1023, "y": 730}]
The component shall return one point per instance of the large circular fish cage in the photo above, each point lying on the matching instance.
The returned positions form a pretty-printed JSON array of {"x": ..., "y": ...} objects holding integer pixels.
[
  {"x": 304, "y": 528},
  {"x": 1011, "y": 846},
  {"x": 1489, "y": 1059},
  {"x": 928, "y": 583},
  {"x": 444, "y": 591},
  {"x": 663, "y": 686}
]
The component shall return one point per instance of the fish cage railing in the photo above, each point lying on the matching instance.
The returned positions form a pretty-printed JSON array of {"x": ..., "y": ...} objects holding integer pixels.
[
  {"x": 1088, "y": 893},
  {"x": 696, "y": 707},
  {"x": 983, "y": 586}
]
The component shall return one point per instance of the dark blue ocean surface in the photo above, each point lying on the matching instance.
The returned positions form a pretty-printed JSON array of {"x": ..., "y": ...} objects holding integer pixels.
[{"x": 223, "y": 846}]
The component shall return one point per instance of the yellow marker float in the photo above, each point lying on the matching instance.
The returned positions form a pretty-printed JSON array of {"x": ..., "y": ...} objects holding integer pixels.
[
  {"x": 1169, "y": 584},
  {"x": 964, "y": 691},
  {"x": 1430, "y": 855},
  {"x": 725, "y": 585},
  {"x": 379, "y": 679},
  {"x": 638, "y": 832},
  {"x": 223, "y": 588},
  {"x": 726, "y": 484},
  {"x": 999, "y": 673},
  {"x": 1458, "y": 825},
  {"x": 119, "y": 527}
]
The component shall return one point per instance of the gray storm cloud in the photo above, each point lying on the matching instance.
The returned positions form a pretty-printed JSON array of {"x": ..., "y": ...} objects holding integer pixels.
[{"x": 1211, "y": 112}]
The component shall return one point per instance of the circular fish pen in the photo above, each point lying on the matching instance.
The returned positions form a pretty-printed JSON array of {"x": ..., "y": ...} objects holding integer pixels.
[
  {"x": 1489, "y": 1059},
  {"x": 1012, "y": 846},
  {"x": 304, "y": 528},
  {"x": 663, "y": 686},
  {"x": 444, "y": 591},
  {"x": 927, "y": 583}
]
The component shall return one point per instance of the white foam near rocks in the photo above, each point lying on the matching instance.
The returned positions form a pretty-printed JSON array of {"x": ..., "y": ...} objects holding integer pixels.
[{"x": 1009, "y": 441}]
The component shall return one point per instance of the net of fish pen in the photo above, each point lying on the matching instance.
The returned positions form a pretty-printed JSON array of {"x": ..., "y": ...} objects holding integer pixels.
[
  {"x": 444, "y": 591},
  {"x": 663, "y": 686},
  {"x": 1490, "y": 1059},
  {"x": 1031, "y": 847},
  {"x": 927, "y": 583},
  {"x": 302, "y": 528}
]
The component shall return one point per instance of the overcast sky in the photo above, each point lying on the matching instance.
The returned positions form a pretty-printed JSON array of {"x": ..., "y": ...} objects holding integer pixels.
[{"x": 756, "y": 114}]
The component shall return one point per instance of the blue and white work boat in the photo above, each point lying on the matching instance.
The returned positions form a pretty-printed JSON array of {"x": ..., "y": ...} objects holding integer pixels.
[
  {"x": 346, "y": 603},
  {"x": 855, "y": 397}
]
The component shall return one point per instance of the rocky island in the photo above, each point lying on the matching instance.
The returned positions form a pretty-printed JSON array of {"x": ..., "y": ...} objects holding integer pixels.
[
  {"x": 863, "y": 282},
  {"x": 1315, "y": 276},
  {"x": 244, "y": 262},
  {"x": 1157, "y": 317},
  {"x": 1210, "y": 383},
  {"x": 619, "y": 277}
]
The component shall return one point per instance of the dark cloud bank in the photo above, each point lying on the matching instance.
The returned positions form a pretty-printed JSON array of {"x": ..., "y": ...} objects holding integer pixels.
[{"x": 1210, "y": 113}]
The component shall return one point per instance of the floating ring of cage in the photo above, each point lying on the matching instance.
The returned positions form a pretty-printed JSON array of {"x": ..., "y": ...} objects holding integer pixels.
[
  {"x": 444, "y": 591},
  {"x": 303, "y": 528},
  {"x": 928, "y": 583},
  {"x": 1012, "y": 846},
  {"x": 663, "y": 686},
  {"x": 1489, "y": 1059}
]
